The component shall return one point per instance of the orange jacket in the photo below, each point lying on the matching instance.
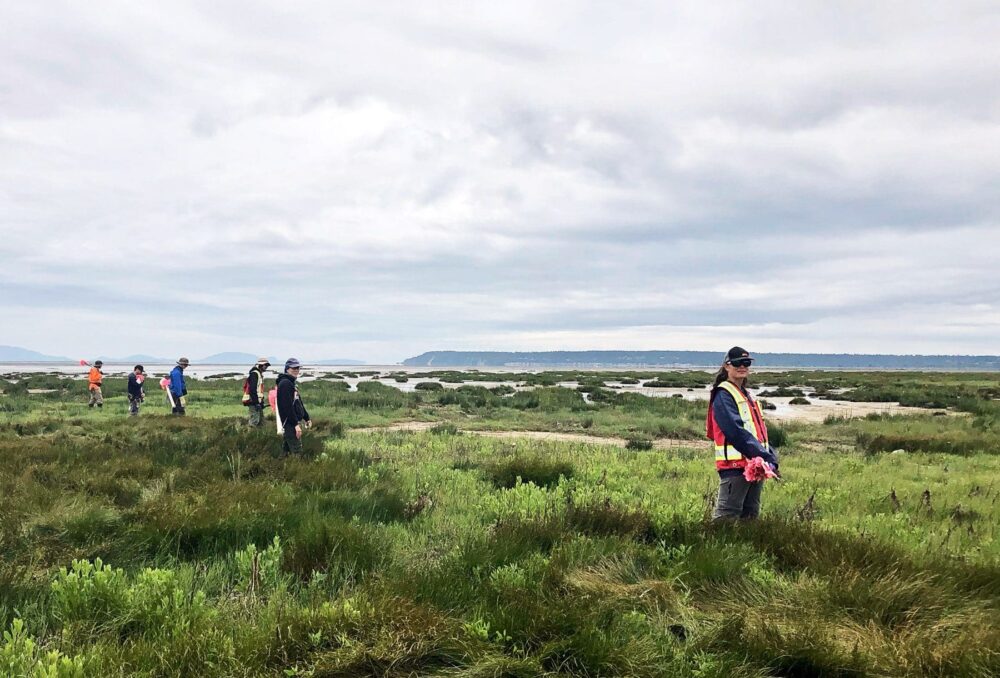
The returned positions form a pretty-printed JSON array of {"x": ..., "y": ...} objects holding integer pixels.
[{"x": 95, "y": 378}]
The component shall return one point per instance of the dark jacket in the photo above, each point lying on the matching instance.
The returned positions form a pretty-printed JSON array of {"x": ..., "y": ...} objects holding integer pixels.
[
  {"x": 727, "y": 418},
  {"x": 177, "y": 385},
  {"x": 253, "y": 379},
  {"x": 290, "y": 407},
  {"x": 134, "y": 387}
]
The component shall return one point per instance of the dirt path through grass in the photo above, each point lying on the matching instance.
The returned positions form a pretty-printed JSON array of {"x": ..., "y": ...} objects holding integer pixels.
[{"x": 419, "y": 426}]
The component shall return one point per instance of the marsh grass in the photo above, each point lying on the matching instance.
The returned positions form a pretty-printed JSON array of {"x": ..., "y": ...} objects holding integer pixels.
[{"x": 404, "y": 553}]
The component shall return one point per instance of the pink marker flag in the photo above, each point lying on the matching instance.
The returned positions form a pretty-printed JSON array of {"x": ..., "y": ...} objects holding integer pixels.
[
  {"x": 83, "y": 363},
  {"x": 757, "y": 469},
  {"x": 164, "y": 383}
]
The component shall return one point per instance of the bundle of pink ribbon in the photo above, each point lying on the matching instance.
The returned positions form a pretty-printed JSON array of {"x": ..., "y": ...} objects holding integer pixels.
[{"x": 757, "y": 469}]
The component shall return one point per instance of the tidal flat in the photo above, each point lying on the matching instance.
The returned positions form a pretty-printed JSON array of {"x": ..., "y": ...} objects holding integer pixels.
[{"x": 404, "y": 543}]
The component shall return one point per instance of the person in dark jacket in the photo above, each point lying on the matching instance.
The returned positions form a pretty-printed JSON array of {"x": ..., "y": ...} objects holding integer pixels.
[
  {"x": 736, "y": 426},
  {"x": 178, "y": 388},
  {"x": 290, "y": 411},
  {"x": 136, "y": 394},
  {"x": 253, "y": 393}
]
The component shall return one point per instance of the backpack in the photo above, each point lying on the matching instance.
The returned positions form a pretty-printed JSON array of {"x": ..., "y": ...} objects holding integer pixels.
[{"x": 246, "y": 391}]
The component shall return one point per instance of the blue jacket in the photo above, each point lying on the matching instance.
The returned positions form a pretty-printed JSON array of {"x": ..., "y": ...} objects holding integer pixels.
[
  {"x": 177, "y": 386},
  {"x": 727, "y": 418}
]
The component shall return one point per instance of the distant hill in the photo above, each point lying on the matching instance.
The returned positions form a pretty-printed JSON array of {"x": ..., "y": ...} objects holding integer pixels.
[
  {"x": 644, "y": 359},
  {"x": 23, "y": 355}
]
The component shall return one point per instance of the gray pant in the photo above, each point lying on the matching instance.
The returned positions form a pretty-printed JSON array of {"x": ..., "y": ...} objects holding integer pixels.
[
  {"x": 738, "y": 499},
  {"x": 96, "y": 397},
  {"x": 256, "y": 414},
  {"x": 289, "y": 443}
]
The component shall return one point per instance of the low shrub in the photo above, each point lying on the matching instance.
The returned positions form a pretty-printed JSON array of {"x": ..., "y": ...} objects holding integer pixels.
[
  {"x": 445, "y": 429},
  {"x": 776, "y": 435},
  {"x": 638, "y": 444},
  {"x": 782, "y": 392},
  {"x": 538, "y": 470},
  {"x": 949, "y": 443},
  {"x": 429, "y": 386}
]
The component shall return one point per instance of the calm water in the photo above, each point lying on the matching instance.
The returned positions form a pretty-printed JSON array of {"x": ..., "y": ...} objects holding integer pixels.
[{"x": 815, "y": 412}]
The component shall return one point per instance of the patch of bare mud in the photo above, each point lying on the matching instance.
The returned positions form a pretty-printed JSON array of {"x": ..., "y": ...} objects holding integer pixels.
[
  {"x": 818, "y": 410},
  {"x": 418, "y": 426}
]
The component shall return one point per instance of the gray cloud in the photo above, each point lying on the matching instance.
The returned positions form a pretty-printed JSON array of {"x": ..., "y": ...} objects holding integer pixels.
[{"x": 381, "y": 180}]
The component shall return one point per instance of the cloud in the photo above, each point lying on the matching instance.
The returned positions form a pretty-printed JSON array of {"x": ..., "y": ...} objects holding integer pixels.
[{"x": 382, "y": 180}]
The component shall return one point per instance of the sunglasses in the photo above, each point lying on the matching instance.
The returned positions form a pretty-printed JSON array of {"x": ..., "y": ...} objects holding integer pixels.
[{"x": 741, "y": 362}]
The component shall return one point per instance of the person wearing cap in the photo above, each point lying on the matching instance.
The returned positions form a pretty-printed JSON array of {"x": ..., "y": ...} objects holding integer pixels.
[
  {"x": 94, "y": 379},
  {"x": 135, "y": 392},
  {"x": 177, "y": 387},
  {"x": 290, "y": 410},
  {"x": 736, "y": 426},
  {"x": 253, "y": 391}
]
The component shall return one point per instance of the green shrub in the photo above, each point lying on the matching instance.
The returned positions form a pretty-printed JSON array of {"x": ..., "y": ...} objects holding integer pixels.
[
  {"x": 429, "y": 386},
  {"x": 538, "y": 470},
  {"x": 90, "y": 592},
  {"x": 782, "y": 392},
  {"x": 638, "y": 444},
  {"x": 962, "y": 444},
  {"x": 776, "y": 435},
  {"x": 259, "y": 571},
  {"x": 20, "y": 656},
  {"x": 445, "y": 429}
]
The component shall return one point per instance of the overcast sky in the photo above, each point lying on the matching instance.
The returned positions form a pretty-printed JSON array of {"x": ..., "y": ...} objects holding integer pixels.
[{"x": 373, "y": 180}]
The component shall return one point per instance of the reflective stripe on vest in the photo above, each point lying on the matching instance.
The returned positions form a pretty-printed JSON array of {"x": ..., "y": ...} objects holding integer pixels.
[{"x": 752, "y": 422}]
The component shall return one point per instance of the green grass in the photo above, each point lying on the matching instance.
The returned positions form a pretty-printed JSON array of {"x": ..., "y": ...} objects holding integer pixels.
[{"x": 399, "y": 553}]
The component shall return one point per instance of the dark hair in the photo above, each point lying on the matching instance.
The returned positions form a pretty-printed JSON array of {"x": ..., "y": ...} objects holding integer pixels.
[
  {"x": 720, "y": 377},
  {"x": 138, "y": 367}
]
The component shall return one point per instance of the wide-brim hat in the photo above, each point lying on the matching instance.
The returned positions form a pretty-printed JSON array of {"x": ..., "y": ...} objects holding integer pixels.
[
  {"x": 263, "y": 360},
  {"x": 183, "y": 362}
]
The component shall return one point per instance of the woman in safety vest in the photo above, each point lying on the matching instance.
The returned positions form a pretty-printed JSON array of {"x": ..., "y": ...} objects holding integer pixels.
[{"x": 736, "y": 427}]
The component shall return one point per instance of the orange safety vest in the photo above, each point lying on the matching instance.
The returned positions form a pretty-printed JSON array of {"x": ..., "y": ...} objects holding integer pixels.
[
  {"x": 260, "y": 387},
  {"x": 95, "y": 378},
  {"x": 726, "y": 456}
]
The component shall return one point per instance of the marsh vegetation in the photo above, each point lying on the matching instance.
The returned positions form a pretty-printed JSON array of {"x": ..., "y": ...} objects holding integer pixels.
[{"x": 178, "y": 547}]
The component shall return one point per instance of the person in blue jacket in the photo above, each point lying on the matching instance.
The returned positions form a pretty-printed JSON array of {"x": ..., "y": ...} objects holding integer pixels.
[
  {"x": 178, "y": 389},
  {"x": 736, "y": 426}
]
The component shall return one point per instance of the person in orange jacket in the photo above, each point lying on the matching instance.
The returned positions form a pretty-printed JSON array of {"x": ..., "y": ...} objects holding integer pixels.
[{"x": 95, "y": 378}]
